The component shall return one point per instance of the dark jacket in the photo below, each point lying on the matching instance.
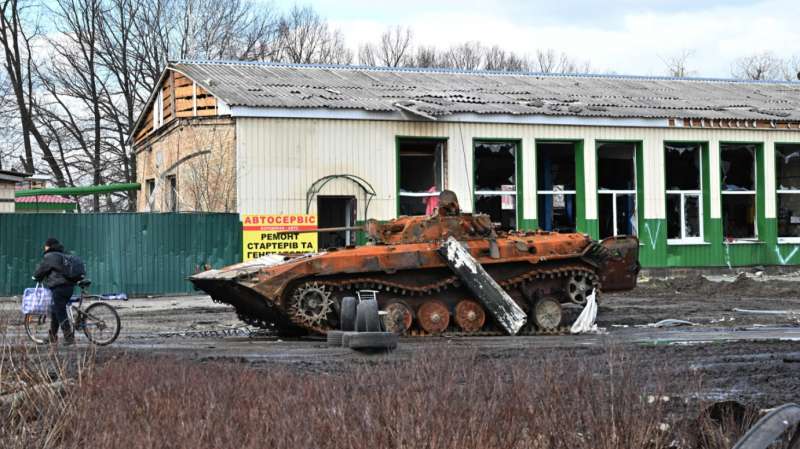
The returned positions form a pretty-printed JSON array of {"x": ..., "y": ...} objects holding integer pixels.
[{"x": 50, "y": 271}]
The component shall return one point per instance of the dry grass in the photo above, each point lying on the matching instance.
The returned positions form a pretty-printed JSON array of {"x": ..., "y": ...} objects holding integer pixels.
[
  {"x": 437, "y": 400},
  {"x": 434, "y": 401},
  {"x": 34, "y": 389}
]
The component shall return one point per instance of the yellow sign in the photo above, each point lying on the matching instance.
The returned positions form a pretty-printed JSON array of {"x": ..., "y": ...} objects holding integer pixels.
[{"x": 278, "y": 234}]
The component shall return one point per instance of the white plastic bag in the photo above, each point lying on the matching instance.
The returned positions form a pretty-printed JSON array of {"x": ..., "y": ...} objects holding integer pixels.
[
  {"x": 37, "y": 300},
  {"x": 585, "y": 322}
]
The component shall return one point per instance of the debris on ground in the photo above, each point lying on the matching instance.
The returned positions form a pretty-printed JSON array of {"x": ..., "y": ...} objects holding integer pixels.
[
  {"x": 669, "y": 323},
  {"x": 586, "y": 320},
  {"x": 767, "y": 312}
]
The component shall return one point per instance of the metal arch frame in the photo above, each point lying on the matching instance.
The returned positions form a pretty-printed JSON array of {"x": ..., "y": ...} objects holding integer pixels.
[{"x": 317, "y": 186}]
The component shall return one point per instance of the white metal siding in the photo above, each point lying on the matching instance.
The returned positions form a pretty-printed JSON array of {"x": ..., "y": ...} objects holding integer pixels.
[{"x": 280, "y": 158}]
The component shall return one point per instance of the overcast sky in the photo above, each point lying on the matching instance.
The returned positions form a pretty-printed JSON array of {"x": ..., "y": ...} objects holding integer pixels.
[{"x": 626, "y": 36}]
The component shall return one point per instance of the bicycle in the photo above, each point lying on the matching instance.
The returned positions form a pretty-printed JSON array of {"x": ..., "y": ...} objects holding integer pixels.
[{"x": 99, "y": 321}]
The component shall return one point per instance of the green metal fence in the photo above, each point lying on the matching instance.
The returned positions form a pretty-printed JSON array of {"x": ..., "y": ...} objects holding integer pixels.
[{"x": 132, "y": 253}]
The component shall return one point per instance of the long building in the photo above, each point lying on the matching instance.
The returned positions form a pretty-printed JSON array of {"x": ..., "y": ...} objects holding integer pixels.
[{"x": 705, "y": 171}]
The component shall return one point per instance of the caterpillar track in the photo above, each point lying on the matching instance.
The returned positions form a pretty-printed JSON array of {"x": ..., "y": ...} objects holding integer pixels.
[{"x": 545, "y": 273}]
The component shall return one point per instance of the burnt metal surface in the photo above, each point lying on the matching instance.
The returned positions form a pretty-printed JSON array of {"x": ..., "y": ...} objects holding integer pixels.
[
  {"x": 497, "y": 301},
  {"x": 402, "y": 262},
  {"x": 621, "y": 266}
]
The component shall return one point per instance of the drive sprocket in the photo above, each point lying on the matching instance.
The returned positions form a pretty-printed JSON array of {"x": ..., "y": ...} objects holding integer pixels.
[{"x": 310, "y": 304}]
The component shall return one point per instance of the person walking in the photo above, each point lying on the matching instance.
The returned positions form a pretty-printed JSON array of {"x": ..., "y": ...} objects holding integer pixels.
[{"x": 50, "y": 272}]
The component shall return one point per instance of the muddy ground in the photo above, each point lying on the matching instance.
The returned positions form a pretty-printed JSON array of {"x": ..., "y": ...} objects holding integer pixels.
[{"x": 753, "y": 358}]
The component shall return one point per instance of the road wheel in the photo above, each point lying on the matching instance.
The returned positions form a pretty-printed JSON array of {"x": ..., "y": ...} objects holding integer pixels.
[
  {"x": 578, "y": 286},
  {"x": 373, "y": 341},
  {"x": 469, "y": 316},
  {"x": 398, "y": 318},
  {"x": 433, "y": 317},
  {"x": 367, "y": 318},
  {"x": 547, "y": 314},
  {"x": 347, "y": 317}
]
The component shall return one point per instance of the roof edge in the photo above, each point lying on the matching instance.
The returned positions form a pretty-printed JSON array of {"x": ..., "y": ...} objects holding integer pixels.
[{"x": 472, "y": 72}]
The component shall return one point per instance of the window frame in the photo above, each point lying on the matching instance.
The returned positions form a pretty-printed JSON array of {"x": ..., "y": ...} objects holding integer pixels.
[
  {"x": 579, "y": 192},
  {"x": 779, "y": 191},
  {"x": 172, "y": 195},
  {"x": 158, "y": 109},
  {"x": 637, "y": 145},
  {"x": 516, "y": 193},
  {"x": 753, "y": 193},
  {"x": 684, "y": 240},
  {"x": 397, "y": 142}
]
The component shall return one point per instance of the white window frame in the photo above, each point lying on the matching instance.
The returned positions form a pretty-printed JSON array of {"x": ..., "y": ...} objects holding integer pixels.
[
  {"x": 779, "y": 191},
  {"x": 753, "y": 192},
  {"x": 560, "y": 192},
  {"x": 158, "y": 110},
  {"x": 424, "y": 194},
  {"x": 614, "y": 194},
  {"x": 513, "y": 193},
  {"x": 684, "y": 239}
]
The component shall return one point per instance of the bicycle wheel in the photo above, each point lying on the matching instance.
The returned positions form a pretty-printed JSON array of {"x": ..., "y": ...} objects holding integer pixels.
[
  {"x": 100, "y": 324},
  {"x": 37, "y": 327}
]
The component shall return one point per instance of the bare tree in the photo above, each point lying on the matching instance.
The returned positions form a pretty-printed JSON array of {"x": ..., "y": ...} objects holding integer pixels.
[
  {"x": 306, "y": 38},
  {"x": 427, "y": 56},
  {"x": 393, "y": 49},
  {"x": 677, "y": 66},
  {"x": 792, "y": 68},
  {"x": 465, "y": 56},
  {"x": 16, "y": 36},
  {"x": 496, "y": 58},
  {"x": 16, "y": 41},
  {"x": 549, "y": 61},
  {"x": 760, "y": 66}
]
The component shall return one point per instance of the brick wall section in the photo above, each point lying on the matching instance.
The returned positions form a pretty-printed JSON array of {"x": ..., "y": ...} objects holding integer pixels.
[{"x": 201, "y": 154}]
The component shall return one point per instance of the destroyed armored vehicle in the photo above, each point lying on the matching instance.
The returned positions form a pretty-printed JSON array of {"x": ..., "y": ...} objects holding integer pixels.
[{"x": 421, "y": 287}]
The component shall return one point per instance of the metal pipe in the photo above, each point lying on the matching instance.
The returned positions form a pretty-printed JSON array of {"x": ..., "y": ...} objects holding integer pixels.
[
  {"x": 87, "y": 190},
  {"x": 339, "y": 229}
]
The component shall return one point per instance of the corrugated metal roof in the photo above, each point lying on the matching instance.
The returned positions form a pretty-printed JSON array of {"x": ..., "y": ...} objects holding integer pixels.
[{"x": 441, "y": 92}]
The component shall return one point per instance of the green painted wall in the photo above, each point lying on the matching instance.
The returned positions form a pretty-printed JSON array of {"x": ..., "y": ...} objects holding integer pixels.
[{"x": 131, "y": 253}]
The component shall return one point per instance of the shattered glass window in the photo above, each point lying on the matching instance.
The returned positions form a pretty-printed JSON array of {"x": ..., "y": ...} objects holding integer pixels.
[
  {"x": 555, "y": 170},
  {"x": 683, "y": 171},
  {"x": 787, "y": 172},
  {"x": 738, "y": 165},
  {"x": 616, "y": 180},
  {"x": 421, "y": 171},
  {"x": 495, "y": 182}
]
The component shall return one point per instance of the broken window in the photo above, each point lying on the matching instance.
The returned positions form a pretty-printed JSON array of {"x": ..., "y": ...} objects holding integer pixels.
[
  {"x": 496, "y": 182},
  {"x": 683, "y": 163},
  {"x": 616, "y": 182},
  {"x": 151, "y": 189},
  {"x": 787, "y": 171},
  {"x": 555, "y": 174},
  {"x": 420, "y": 174},
  {"x": 172, "y": 194},
  {"x": 738, "y": 164}
]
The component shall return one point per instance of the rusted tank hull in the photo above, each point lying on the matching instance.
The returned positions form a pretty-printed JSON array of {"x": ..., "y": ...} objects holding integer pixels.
[{"x": 415, "y": 284}]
